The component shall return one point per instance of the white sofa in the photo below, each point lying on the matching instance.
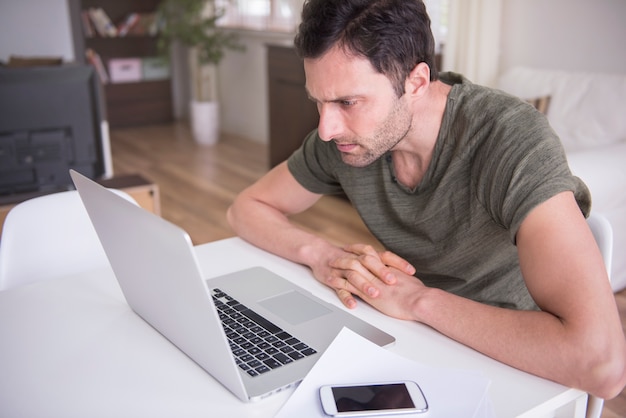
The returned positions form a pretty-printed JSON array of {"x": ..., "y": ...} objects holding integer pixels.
[{"x": 588, "y": 112}]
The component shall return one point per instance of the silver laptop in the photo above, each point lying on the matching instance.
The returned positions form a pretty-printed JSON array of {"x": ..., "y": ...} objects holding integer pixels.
[{"x": 268, "y": 332}]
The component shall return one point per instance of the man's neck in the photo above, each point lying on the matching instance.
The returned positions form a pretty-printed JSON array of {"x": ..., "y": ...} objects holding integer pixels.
[{"x": 412, "y": 157}]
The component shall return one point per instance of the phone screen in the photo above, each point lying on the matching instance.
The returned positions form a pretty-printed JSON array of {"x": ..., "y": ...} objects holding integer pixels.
[{"x": 372, "y": 397}]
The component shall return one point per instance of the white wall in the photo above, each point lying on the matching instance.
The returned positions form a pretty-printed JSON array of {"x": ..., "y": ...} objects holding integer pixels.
[
  {"x": 35, "y": 28},
  {"x": 574, "y": 35}
]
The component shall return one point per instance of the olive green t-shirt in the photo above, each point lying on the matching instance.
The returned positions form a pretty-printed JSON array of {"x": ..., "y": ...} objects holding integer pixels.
[{"x": 496, "y": 158}]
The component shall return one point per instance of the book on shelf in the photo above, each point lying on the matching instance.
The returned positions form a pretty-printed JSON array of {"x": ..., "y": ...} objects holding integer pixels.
[
  {"x": 94, "y": 59},
  {"x": 146, "y": 25},
  {"x": 88, "y": 29},
  {"x": 102, "y": 23},
  {"x": 97, "y": 22},
  {"x": 126, "y": 25}
]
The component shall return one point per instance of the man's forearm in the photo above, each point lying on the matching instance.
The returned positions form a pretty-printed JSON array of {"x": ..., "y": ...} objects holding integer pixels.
[
  {"x": 534, "y": 341},
  {"x": 272, "y": 231}
]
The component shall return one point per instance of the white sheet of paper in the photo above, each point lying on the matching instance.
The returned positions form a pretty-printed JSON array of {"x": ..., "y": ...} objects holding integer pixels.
[{"x": 351, "y": 358}]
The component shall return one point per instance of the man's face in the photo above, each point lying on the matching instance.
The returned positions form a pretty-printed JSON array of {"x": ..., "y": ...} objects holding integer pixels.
[{"x": 358, "y": 107}]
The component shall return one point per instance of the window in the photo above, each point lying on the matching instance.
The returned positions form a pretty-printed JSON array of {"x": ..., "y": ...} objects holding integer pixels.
[
  {"x": 267, "y": 15},
  {"x": 284, "y": 15}
]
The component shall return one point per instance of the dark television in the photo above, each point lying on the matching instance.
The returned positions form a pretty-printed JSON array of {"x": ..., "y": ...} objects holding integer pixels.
[{"x": 50, "y": 121}]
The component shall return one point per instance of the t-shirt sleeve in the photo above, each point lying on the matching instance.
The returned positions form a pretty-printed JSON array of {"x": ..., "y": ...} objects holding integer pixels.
[
  {"x": 314, "y": 164},
  {"x": 523, "y": 164}
]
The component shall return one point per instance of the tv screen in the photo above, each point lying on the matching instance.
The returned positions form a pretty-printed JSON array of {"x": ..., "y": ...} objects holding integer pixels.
[{"x": 50, "y": 121}]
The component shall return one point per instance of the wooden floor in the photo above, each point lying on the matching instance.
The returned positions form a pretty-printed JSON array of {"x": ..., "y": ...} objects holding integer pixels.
[{"x": 197, "y": 183}]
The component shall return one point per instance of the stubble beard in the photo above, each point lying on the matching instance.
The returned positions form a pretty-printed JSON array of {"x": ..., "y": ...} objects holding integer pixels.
[{"x": 393, "y": 130}]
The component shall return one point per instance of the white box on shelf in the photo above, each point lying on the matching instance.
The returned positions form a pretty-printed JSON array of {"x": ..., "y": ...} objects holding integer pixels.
[
  {"x": 155, "y": 68},
  {"x": 125, "y": 70}
]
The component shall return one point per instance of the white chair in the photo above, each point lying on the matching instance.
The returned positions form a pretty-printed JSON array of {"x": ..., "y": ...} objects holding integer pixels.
[
  {"x": 49, "y": 237},
  {"x": 603, "y": 233}
]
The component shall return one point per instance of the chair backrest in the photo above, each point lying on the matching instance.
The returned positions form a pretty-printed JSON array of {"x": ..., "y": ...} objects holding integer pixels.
[
  {"x": 603, "y": 233},
  {"x": 49, "y": 237}
]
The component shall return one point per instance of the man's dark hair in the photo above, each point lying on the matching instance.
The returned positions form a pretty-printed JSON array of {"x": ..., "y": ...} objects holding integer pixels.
[{"x": 394, "y": 35}]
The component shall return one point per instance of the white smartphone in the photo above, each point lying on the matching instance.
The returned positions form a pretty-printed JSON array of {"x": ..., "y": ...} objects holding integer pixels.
[{"x": 367, "y": 399}]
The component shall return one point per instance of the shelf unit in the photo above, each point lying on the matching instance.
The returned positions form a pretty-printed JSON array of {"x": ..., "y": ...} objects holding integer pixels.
[{"x": 131, "y": 103}]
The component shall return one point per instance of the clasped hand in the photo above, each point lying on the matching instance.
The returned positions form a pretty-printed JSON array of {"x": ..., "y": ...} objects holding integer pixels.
[{"x": 382, "y": 279}]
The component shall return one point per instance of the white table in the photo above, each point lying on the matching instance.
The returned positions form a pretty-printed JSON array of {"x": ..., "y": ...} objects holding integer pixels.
[{"x": 73, "y": 348}]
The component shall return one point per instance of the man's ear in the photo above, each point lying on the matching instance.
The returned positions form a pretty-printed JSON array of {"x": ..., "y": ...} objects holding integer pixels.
[{"x": 418, "y": 80}]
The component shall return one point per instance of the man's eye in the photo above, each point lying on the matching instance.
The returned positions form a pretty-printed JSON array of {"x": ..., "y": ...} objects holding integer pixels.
[{"x": 348, "y": 103}]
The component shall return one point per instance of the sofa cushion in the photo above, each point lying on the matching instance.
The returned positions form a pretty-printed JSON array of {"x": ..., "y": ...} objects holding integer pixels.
[{"x": 586, "y": 110}]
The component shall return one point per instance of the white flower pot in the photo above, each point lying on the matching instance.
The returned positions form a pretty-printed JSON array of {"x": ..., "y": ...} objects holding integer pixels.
[{"x": 205, "y": 124}]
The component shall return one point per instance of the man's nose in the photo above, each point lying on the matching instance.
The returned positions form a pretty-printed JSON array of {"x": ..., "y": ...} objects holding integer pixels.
[{"x": 330, "y": 123}]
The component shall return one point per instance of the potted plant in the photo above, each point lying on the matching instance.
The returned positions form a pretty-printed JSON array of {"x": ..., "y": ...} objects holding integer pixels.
[{"x": 192, "y": 23}]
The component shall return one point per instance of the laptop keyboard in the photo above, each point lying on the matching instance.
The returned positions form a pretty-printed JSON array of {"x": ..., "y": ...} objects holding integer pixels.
[{"x": 257, "y": 344}]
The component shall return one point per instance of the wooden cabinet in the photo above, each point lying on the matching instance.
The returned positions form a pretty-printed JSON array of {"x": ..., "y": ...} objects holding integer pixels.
[
  {"x": 130, "y": 103},
  {"x": 292, "y": 114}
]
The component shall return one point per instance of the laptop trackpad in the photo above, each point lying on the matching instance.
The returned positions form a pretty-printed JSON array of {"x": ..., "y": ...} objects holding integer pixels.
[{"x": 294, "y": 307}]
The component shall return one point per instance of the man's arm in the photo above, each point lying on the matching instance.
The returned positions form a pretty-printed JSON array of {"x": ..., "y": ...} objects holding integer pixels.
[
  {"x": 576, "y": 339},
  {"x": 260, "y": 215}
]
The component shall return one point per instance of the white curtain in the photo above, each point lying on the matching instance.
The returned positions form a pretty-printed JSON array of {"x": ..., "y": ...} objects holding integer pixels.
[{"x": 473, "y": 41}]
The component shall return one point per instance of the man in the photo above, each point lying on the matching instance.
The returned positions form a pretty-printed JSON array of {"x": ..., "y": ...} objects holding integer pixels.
[{"x": 467, "y": 188}]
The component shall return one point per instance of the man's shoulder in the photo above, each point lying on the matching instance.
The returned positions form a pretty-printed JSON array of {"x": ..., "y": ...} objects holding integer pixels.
[
  {"x": 465, "y": 88},
  {"x": 480, "y": 105}
]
